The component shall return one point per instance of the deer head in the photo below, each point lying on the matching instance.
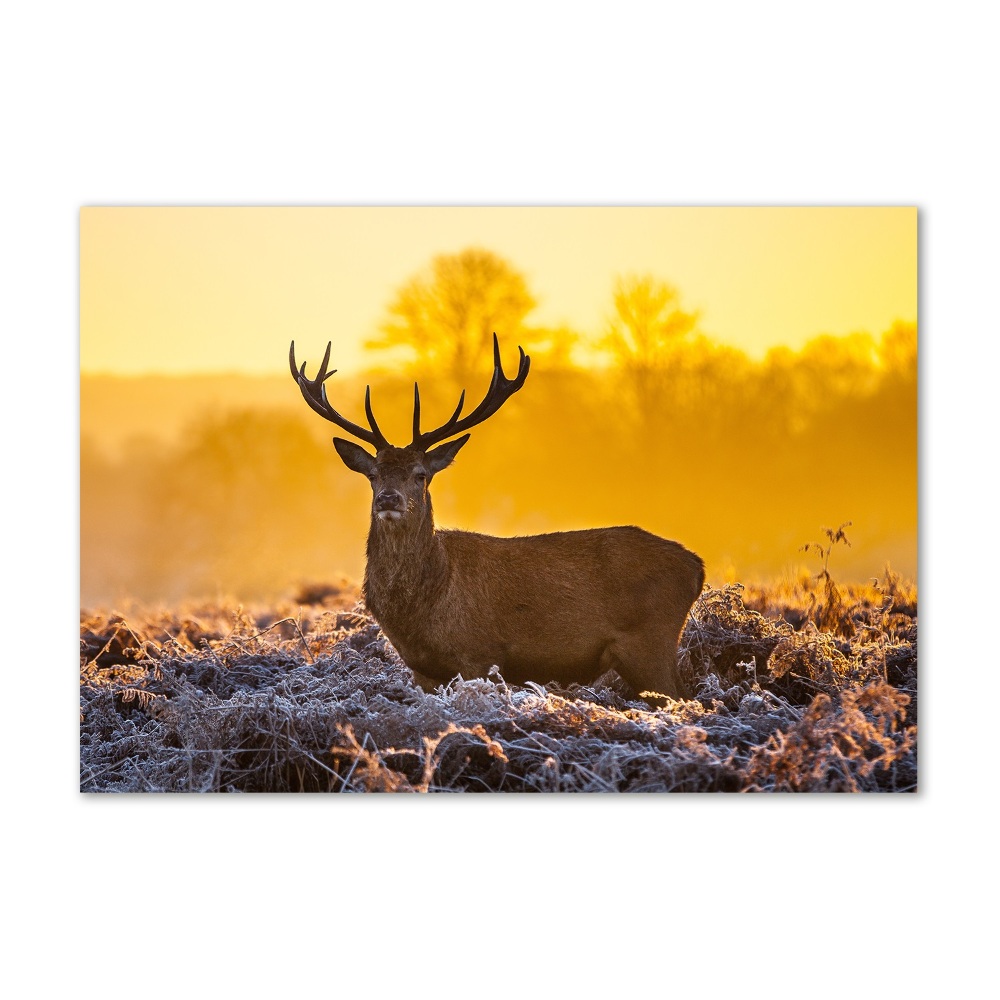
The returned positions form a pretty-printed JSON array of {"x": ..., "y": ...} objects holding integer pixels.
[{"x": 400, "y": 476}]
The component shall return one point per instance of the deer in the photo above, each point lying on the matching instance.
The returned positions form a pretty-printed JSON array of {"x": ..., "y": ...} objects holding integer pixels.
[{"x": 564, "y": 607}]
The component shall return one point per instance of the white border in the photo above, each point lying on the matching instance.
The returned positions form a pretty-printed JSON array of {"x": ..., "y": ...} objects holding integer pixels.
[{"x": 530, "y": 104}]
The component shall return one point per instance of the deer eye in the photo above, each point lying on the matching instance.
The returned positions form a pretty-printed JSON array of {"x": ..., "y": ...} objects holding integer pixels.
[{"x": 421, "y": 477}]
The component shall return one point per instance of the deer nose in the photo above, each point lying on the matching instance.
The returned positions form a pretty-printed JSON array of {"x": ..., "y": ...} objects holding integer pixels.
[{"x": 390, "y": 500}]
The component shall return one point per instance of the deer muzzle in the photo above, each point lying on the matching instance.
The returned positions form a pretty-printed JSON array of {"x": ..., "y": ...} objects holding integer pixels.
[{"x": 390, "y": 505}]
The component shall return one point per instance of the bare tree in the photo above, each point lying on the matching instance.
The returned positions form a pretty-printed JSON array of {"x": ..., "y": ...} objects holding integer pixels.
[
  {"x": 646, "y": 335},
  {"x": 447, "y": 315}
]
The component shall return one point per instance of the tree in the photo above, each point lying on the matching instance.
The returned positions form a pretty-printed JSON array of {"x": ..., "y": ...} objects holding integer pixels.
[
  {"x": 897, "y": 351},
  {"x": 646, "y": 336},
  {"x": 447, "y": 315}
]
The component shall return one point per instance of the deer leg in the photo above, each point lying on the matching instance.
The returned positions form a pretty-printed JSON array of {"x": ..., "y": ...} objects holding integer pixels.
[
  {"x": 425, "y": 683},
  {"x": 649, "y": 664}
]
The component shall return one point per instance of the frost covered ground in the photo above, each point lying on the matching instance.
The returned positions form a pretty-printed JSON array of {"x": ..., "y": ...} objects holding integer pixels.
[{"x": 797, "y": 689}]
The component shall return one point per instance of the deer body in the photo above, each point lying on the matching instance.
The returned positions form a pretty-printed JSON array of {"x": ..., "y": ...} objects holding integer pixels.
[
  {"x": 566, "y": 606},
  {"x": 543, "y": 608}
]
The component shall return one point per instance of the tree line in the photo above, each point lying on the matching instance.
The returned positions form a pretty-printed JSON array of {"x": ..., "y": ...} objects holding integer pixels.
[{"x": 648, "y": 421}]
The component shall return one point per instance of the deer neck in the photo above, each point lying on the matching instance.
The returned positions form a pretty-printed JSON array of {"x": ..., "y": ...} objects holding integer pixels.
[{"x": 406, "y": 565}]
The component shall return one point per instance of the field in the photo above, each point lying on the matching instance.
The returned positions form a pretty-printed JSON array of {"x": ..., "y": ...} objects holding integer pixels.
[{"x": 806, "y": 686}]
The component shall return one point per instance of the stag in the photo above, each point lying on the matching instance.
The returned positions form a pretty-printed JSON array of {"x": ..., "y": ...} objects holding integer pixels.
[{"x": 567, "y": 606}]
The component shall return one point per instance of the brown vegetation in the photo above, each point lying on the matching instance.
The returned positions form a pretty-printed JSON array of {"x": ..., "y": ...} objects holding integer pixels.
[{"x": 292, "y": 698}]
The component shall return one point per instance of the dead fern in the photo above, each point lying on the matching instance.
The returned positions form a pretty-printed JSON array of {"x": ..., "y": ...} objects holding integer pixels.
[
  {"x": 830, "y": 612},
  {"x": 838, "y": 745},
  {"x": 293, "y": 698}
]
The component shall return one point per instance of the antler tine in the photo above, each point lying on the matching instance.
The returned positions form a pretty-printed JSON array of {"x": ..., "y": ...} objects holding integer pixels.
[
  {"x": 416, "y": 412},
  {"x": 500, "y": 390},
  {"x": 322, "y": 376},
  {"x": 314, "y": 393},
  {"x": 417, "y": 436},
  {"x": 458, "y": 409},
  {"x": 381, "y": 441}
]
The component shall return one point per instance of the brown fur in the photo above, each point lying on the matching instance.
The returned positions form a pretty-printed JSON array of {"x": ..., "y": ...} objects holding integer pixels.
[{"x": 560, "y": 607}]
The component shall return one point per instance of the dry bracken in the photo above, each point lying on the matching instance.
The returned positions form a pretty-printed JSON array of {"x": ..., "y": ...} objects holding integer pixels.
[{"x": 314, "y": 698}]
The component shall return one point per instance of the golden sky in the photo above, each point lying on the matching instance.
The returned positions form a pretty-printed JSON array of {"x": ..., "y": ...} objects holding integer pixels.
[{"x": 187, "y": 290}]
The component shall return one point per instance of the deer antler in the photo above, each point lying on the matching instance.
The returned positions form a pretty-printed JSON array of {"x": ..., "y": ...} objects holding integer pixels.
[
  {"x": 500, "y": 390},
  {"x": 314, "y": 393}
]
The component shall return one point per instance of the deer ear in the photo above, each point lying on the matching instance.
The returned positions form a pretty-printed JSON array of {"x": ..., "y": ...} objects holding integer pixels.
[
  {"x": 355, "y": 457},
  {"x": 441, "y": 458}
]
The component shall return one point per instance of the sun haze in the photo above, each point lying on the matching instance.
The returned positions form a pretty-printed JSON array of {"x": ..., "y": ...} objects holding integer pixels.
[
  {"x": 196, "y": 290},
  {"x": 738, "y": 379}
]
